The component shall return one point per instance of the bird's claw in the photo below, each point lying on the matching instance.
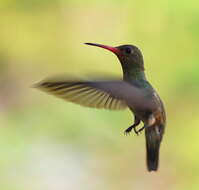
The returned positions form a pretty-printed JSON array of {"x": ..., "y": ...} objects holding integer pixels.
[
  {"x": 127, "y": 131},
  {"x": 140, "y": 130},
  {"x": 136, "y": 132}
]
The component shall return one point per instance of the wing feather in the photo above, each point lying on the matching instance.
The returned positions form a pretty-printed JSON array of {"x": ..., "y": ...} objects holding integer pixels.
[{"x": 108, "y": 94}]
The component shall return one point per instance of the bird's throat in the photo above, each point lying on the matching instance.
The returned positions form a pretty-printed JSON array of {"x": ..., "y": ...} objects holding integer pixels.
[{"x": 134, "y": 74}]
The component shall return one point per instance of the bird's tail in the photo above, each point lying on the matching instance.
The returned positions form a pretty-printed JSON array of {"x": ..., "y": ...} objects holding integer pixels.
[{"x": 153, "y": 136}]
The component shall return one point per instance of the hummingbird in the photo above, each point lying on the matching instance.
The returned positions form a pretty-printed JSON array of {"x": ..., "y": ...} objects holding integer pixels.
[{"x": 133, "y": 92}]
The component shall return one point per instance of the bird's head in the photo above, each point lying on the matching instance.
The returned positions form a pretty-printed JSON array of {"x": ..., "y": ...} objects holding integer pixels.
[{"x": 129, "y": 55}]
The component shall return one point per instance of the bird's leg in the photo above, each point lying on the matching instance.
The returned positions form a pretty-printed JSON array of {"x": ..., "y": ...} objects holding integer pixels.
[
  {"x": 136, "y": 123},
  {"x": 151, "y": 121},
  {"x": 141, "y": 129}
]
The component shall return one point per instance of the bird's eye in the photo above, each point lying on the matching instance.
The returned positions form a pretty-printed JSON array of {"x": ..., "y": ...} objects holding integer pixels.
[{"x": 128, "y": 50}]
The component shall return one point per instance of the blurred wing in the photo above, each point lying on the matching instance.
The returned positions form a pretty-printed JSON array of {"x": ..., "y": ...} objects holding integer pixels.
[
  {"x": 114, "y": 95},
  {"x": 86, "y": 93}
]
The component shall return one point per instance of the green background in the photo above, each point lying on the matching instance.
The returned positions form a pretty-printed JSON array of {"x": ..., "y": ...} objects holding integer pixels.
[{"x": 49, "y": 144}]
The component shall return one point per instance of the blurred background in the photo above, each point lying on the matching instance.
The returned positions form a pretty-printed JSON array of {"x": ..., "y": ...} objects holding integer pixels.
[{"x": 49, "y": 144}]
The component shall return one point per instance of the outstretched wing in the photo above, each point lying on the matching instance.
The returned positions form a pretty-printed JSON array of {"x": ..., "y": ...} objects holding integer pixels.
[{"x": 110, "y": 94}]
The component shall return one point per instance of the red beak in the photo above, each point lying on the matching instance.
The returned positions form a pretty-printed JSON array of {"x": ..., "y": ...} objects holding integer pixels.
[{"x": 112, "y": 49}]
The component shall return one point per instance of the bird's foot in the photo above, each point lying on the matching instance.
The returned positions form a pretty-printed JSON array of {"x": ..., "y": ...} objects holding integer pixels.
[
  {"x": 141, "y": 129},
  {"x": 136, "y": 131},
  {"x": 128, "y": 130}
]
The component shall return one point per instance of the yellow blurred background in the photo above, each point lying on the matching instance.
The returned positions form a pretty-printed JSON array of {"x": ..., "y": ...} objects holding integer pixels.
[{"x": 49, "y": 144}]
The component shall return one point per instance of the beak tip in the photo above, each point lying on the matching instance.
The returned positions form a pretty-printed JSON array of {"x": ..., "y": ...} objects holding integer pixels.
[
  {"x": 113, "y": 49},
  {"x": 88, "y": 43}
]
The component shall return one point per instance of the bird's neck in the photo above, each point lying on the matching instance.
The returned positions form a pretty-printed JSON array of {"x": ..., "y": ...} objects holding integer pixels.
[{"x": 134, "y": 74}]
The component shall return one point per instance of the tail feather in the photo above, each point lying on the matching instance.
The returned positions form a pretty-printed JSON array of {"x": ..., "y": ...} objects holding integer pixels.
[{"x": 153, "y": 136}]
